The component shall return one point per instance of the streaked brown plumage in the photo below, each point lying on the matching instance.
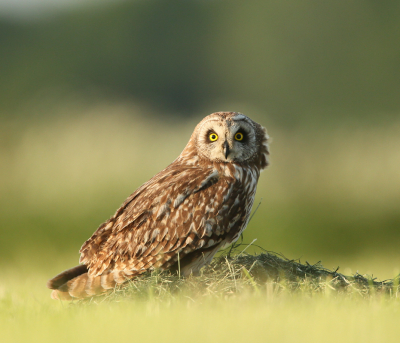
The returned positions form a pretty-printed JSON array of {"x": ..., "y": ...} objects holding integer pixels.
[{"x": 198, "y": 204}]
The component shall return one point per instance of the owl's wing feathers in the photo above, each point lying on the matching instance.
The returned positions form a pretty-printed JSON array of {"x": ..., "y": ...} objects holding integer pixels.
[{"x": 181, "y": 209}]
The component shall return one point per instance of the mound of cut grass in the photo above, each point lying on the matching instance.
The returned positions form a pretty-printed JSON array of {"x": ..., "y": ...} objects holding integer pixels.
[{"x": 230, "y": 276}]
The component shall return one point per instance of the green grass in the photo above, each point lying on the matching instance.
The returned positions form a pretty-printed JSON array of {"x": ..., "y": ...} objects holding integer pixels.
[
  {"x": 249, "y": 317},
  {"x": 246, "y": 298},
  {"x": 229, "y": 275}
]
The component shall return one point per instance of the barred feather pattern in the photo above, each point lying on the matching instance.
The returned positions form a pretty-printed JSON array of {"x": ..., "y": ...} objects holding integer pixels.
[{"x": 188, "y": 211}]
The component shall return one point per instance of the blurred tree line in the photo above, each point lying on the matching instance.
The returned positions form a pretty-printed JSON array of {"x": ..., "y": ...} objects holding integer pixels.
[{"x": 292, "y": 59}]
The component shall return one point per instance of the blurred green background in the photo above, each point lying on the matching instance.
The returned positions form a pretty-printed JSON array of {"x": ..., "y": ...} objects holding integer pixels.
[{"x": 95, "y": 98}]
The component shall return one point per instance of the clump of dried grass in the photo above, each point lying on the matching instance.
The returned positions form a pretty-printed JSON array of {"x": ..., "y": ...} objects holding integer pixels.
[{"x": 232, "y": 276}]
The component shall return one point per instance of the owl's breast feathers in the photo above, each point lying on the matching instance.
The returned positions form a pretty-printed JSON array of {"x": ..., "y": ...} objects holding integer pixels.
[{"x": 184, "y": 211}]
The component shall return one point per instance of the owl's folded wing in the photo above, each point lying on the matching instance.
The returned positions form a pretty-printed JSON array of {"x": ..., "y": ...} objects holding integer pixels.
[{"x": 179, "y": 210}]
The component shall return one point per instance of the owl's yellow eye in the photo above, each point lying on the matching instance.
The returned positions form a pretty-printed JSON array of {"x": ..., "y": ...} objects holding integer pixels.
[
  {"x": 213, "y": 137},
  {"x": 239, "y": 136}
]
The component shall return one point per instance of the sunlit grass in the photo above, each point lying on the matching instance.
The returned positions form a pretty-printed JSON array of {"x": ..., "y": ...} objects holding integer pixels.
[
  {"x": 255, "y": 318},
  {"x": 235, "y": 307},
  {"x": 234, "y": 275}
]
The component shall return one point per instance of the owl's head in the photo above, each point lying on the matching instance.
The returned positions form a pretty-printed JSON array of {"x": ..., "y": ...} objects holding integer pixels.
[{"x": 231, "y": 137}]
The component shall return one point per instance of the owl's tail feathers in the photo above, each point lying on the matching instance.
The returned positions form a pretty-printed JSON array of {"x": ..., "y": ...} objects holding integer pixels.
[{"x": 76, "y": 283}]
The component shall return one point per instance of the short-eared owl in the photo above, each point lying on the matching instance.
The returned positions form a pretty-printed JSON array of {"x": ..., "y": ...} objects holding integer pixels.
[{"x": 200, "y": 203}]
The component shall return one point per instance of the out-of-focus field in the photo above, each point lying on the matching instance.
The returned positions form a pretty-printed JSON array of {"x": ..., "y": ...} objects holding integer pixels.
[{"x": 331, "y": 192}]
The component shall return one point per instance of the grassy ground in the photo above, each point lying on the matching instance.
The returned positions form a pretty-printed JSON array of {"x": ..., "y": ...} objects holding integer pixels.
[{"x": 242, "y": 298}]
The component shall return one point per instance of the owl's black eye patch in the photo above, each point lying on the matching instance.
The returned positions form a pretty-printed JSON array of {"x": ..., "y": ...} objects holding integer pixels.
[{"x": 239, "y": 136}]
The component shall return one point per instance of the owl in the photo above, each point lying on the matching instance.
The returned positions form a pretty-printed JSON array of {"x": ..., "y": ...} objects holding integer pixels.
[{"x": 182, "y": 216}]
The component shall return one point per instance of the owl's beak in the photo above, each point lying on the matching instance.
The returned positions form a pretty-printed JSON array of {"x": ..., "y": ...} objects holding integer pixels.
[{"x": 226, "y": 149}]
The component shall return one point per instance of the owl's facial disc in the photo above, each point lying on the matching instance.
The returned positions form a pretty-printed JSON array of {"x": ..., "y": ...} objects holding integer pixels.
[{"x": 227, "y": 140}]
